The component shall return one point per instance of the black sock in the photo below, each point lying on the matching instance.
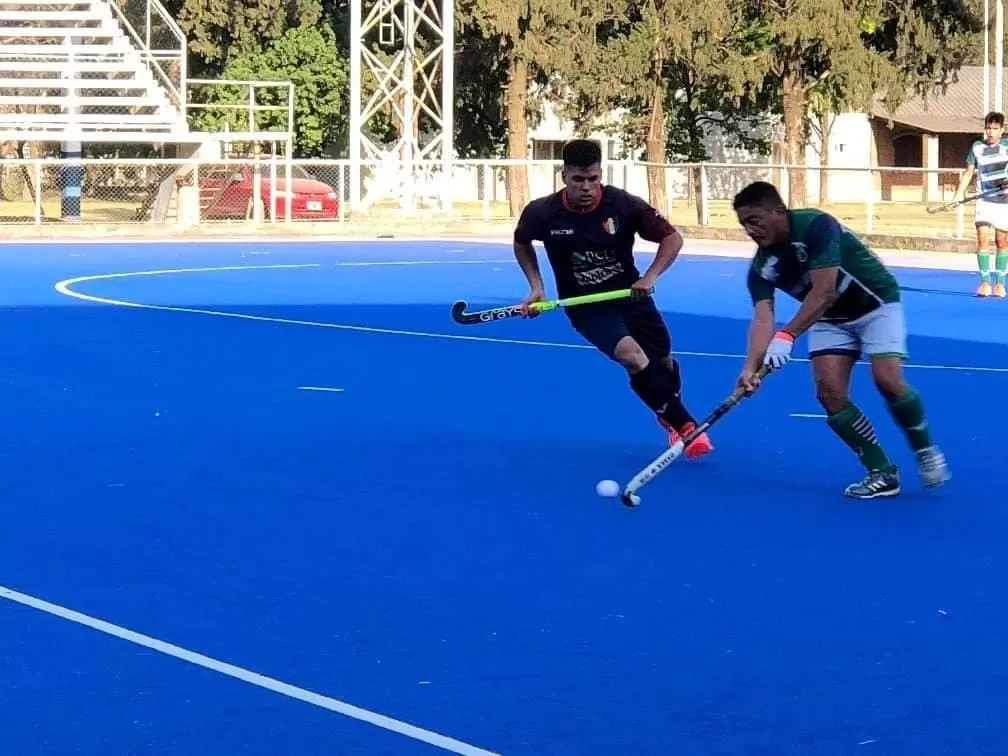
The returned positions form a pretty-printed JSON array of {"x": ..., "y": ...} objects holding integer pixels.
[
  {"x": 676, "y": 377},
  {"x": 657, "y": 387}
]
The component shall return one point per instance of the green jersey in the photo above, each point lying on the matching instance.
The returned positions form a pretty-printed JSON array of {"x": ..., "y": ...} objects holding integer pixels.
[
  {"x": 991, "y": 164},
  {"x": 818, "y": 240}
]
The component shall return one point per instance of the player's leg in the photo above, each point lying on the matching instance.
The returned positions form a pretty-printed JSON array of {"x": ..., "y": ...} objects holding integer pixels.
[
  {"x": 984, "y": 231},
  {"x": 883, "y": 337},
  {"x": 603, "y": 325},
  {"x": 648, "y": 328},
  {"x": 1001, "y": 258},
  {"x": 833, "y": 351}
]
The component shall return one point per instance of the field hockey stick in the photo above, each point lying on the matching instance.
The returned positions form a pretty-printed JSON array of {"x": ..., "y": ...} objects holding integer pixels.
[
  {"x": 460, "y": 316},
  {"x": 970, "y": 198},
  {"x": 629, "y": 496}
]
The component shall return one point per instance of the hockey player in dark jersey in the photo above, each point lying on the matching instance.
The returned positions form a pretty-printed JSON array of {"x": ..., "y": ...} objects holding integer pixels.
[
  {"x": 588, "y": 232},
  {"x": 850, "y": 305}
]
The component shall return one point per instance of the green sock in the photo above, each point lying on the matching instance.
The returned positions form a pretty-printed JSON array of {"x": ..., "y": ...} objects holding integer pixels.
[
  {"x": 856, "y": 430},
  {"x": 1001, "y": 263},
  {"x": 908, "y": 411},
  {"x": 984, "y": 263}
]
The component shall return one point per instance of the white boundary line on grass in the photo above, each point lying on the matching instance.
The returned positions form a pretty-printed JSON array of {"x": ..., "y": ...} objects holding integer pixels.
[
  {"x": 65, "y": 287},
  {"x": 245, "y": 675}
]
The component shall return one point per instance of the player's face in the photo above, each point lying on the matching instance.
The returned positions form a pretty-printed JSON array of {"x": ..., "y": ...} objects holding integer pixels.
[
  {"x": 767, "y": 226},
  {"x": 583, "y": 184},
  {"x": 993, "y": 131}
]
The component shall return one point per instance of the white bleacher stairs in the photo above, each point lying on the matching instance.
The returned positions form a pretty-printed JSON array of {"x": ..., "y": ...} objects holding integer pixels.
[{"x": 71, "y": 70}]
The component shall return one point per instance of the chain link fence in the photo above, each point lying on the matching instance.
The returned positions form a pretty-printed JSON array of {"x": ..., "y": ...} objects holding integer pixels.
[{"x": 272, "y": 189}]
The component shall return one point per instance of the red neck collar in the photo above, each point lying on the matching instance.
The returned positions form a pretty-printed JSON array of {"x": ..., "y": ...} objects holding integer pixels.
[{"x": 567, "y": 204}]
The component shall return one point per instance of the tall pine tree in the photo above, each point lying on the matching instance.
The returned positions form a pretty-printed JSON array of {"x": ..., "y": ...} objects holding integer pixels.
[
  {"x": 673, "y": 71},
  {"x": 532, "y": 40}
]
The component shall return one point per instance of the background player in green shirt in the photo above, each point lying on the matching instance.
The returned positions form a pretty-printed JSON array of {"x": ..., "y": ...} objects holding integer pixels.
[{"x": 850, "y": 304}]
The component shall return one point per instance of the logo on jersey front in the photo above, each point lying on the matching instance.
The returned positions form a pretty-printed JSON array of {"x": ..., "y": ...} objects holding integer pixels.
[
  {"x": 800, "y": 250},
  {"x": 769, "y": 270},
  {"x": 609, "y": 224},
  {"x": 595, "y": 266}
]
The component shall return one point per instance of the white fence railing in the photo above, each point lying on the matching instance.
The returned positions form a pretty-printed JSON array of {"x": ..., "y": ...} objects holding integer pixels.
[{"x": 272, "y": 189}]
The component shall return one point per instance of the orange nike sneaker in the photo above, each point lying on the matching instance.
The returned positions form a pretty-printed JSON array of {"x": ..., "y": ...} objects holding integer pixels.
[{"x": 697, "y": 448}]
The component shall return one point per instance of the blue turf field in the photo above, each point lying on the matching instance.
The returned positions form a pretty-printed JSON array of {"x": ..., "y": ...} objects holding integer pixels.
[{"x": 426, "y": 544}]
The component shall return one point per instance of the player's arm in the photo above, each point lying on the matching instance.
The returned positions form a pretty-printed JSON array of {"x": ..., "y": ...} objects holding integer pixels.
[
  {"x": 652, "y": 226},
  {"x": 967, "y": 176},
  {"x": 524, "y": 234},
  {"x": 761, "y": 329},
  {"x": 761, "y": 332},
  {"x": 668, "y": 250},
  {"x": 525, "y": 254},
  {"x": 823, "y": 244}
]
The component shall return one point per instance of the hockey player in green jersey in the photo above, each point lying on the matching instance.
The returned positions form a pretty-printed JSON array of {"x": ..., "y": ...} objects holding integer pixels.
[{"x": 850, "y": 304}]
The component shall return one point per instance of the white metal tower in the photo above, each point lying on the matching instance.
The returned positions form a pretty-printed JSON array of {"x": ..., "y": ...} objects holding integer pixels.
[{"x": 401, "y": 65}]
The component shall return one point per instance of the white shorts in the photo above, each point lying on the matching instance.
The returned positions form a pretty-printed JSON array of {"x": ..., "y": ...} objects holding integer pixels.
[
  {"x": 879, "y": 333},
  {"x": 993, "y": 214}
]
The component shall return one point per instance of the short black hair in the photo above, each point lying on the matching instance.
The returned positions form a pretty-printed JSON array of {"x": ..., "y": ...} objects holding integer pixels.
[
  {"x": 994, "y": 119},
  {"x": 758, "y": 194},
  {"x": 581, "y": 153}
]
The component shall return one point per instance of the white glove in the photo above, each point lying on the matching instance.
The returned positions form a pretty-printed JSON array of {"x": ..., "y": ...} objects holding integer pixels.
[{"x": 779, "y": 351}]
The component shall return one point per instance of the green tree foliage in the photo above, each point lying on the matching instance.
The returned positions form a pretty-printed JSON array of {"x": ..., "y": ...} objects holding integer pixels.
[
  {"x": 533, "y": 40},
  {"x": 219, "y": 30},
  {"x": 673, "y": 71},
  {"x": 871, "y": 48},
  {"x": 697, "y": 106},
  {"x": 308, "y": 58},
  {"x": 480, "y": 79}
]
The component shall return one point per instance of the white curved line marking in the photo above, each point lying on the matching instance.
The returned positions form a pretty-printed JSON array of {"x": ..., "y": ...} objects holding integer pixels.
[{"x": 64, "y": 287}]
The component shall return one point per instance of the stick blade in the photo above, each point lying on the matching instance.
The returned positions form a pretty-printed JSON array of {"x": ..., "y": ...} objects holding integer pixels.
[{"x": 458, "y": 312}]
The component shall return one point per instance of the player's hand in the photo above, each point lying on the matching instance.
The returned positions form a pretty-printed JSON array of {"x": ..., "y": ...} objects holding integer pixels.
[
  {"x": 642, "y": 288},
  {"x": 748, "y": 381},
  {"x": 779, "y": 351},
  {"x": 535, "y": 295}
]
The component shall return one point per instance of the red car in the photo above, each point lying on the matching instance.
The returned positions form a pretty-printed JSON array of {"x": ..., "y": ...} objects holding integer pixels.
[{"x": 226, "y": 194}]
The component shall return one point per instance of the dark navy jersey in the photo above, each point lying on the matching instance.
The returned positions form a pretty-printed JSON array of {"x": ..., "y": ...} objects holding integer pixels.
[{"x": 591, "y": 251}]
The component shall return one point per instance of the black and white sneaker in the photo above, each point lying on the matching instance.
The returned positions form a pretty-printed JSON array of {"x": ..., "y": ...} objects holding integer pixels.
[{"x": 876, "y": 485}]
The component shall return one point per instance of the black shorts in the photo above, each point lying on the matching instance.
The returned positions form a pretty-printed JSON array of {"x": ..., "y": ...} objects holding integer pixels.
[{"x": 603, "y": 325}]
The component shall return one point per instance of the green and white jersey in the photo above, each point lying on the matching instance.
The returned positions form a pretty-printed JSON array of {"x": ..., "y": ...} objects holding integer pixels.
[
  {"x": 817, "y": 240},
  {"x": 991, "y": 164}
]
